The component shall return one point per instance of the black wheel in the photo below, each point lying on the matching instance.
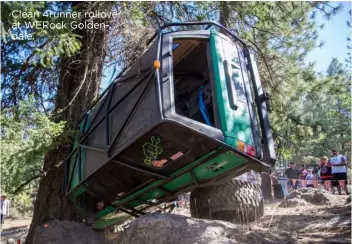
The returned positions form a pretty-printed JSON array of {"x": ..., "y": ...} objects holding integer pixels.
[{"x": 233, "y": 200}]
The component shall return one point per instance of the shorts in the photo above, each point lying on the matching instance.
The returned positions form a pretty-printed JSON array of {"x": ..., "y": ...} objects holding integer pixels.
[
  {"x": 310, "y": 185},
  {"x": 337, "y": 177},
  {"x": 290, "y": 183}
]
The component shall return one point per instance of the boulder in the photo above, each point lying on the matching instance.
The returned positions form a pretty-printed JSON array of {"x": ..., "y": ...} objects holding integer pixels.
[
  {"x": 312, "y": 195},
  {"x": 58, "y": 232}
]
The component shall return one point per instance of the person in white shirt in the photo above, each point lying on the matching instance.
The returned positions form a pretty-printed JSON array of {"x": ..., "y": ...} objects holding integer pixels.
[
  {"x": 339, "y": 171},
  {"x": 310, "y": 178},
  {"x": 5, "y": 207}
]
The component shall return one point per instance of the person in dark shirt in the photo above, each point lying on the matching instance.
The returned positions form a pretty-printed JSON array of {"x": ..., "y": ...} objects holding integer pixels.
[
  {"x": 292, "y": 173},
  {"x": 325, "y": 172}
]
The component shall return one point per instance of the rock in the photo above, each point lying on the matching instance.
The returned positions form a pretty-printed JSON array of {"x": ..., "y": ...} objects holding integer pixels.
[
  {"x": 11, "y": 241},
  {"x": 175, "y": 229},
  {"x": 169, "y": 228},
  {"x": 311, "y": 195},
  {"x": 58, "y": 232},
  {"x": 348, "y": 200}
]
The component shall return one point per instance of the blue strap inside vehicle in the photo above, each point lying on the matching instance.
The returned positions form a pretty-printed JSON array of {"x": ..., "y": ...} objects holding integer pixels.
[{"x": 203, "y": 108}]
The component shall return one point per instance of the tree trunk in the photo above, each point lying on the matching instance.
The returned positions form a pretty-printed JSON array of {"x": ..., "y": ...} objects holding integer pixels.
[
  {"x": 80, "y": 78},
  {"x": 224, "y": 13},
  {"x": 266, "y": 185}
]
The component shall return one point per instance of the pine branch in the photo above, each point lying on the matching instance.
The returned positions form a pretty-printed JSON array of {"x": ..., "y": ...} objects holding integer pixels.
[{"x": 18, "y": 189}]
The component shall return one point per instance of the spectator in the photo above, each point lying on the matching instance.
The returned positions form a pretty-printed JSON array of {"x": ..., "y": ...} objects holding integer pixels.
[
  {"x": 292, "y": 173},
  {"x": 34, "y": 197},
  {"x": 325, "y": 172},
  {"x": 6, "y": 207},
  {"x": 339, "y": 171},
  {"x": 316, "y": 169},
  {"x": 2, "y": 212},
  {"x": 302, "y": 173},
  {"x": 310, "y": 178}
]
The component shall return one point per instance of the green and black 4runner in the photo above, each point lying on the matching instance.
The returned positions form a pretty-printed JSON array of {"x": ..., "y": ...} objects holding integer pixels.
[{"x": 189, "y": 115}]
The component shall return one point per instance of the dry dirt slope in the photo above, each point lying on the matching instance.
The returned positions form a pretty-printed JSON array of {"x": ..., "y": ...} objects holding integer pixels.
[
  {"x": 305, "y": 221},
  {"x": 309, "y": 216}
]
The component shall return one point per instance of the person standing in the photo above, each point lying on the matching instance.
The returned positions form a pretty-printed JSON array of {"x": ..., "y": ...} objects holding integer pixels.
[
  {"x": 2, "y": 210},
  {"x": 339, "y": 171},
  {"x": 302, "y": 174},
  {"x": 292, "y": 174},
  {"x": 34, "y": 197},
  {"x": 325, "y": 172},
  {"x": 310, "y": 178},
  {"x": 6, "y": 207},
  {"x": 315, "y": 171}
]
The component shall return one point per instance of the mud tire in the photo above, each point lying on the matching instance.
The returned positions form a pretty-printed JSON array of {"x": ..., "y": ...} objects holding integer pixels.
[{"x": 233, "y": 200}]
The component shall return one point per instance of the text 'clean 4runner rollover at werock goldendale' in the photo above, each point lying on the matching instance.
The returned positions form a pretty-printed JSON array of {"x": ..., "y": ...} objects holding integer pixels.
[{"x": 189, "y": 115}]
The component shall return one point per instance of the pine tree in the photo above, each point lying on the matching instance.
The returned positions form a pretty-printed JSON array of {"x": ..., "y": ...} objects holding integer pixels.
[{"x": 62, "y": 69}]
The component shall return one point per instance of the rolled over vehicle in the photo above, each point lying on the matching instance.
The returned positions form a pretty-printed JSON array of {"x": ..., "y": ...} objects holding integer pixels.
[{"x": 188, "y": 116}]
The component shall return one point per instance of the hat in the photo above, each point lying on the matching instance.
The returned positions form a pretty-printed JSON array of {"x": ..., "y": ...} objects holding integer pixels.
[
  {"x": 324, "y": 158},
  {"x": 292, "y": 163}
]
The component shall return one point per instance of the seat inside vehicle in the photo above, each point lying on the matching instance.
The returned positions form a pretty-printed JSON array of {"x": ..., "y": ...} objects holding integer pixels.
[{"x": 192, "y": 86}]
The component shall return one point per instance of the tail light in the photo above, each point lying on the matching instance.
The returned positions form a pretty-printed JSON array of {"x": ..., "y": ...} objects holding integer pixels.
[{"x": 247, "y": 149}]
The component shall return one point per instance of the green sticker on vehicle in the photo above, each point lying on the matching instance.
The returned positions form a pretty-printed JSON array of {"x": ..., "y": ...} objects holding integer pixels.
[{"x": 152, "y": 149}]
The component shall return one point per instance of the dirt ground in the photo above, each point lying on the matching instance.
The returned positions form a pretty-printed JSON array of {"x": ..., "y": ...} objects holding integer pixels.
[
  {"x": 16, "y": 229},
  {"x": 311, "y": 223},
  {"x": 329, "y": 222},
  {"x": 15, "y": 223},
  {"x": 319, "y": 218}
]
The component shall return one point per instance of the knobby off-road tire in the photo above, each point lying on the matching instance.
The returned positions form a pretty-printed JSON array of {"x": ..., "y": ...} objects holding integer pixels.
[{"x": 233, "y": 200}]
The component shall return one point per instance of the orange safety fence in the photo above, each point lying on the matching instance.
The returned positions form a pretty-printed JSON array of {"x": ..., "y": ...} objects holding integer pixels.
[{"x": 342, "y": 183}]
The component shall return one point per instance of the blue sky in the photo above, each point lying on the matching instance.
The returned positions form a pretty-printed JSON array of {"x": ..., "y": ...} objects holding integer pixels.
[{"x": 334, "y": 35}]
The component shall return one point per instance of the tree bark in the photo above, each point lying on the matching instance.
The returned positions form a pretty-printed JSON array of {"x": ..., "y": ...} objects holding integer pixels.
[
  {"x": 224, "y": 13},
  {"x": 80, "y": 78},
  {"x": 266, "y": 185}
]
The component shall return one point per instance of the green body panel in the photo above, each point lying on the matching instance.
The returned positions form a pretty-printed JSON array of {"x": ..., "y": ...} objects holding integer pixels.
[
  {"x": 83, "y": 128},
  {"x": 206, "y": 171},
  {"x": 234, "y": 121}
]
